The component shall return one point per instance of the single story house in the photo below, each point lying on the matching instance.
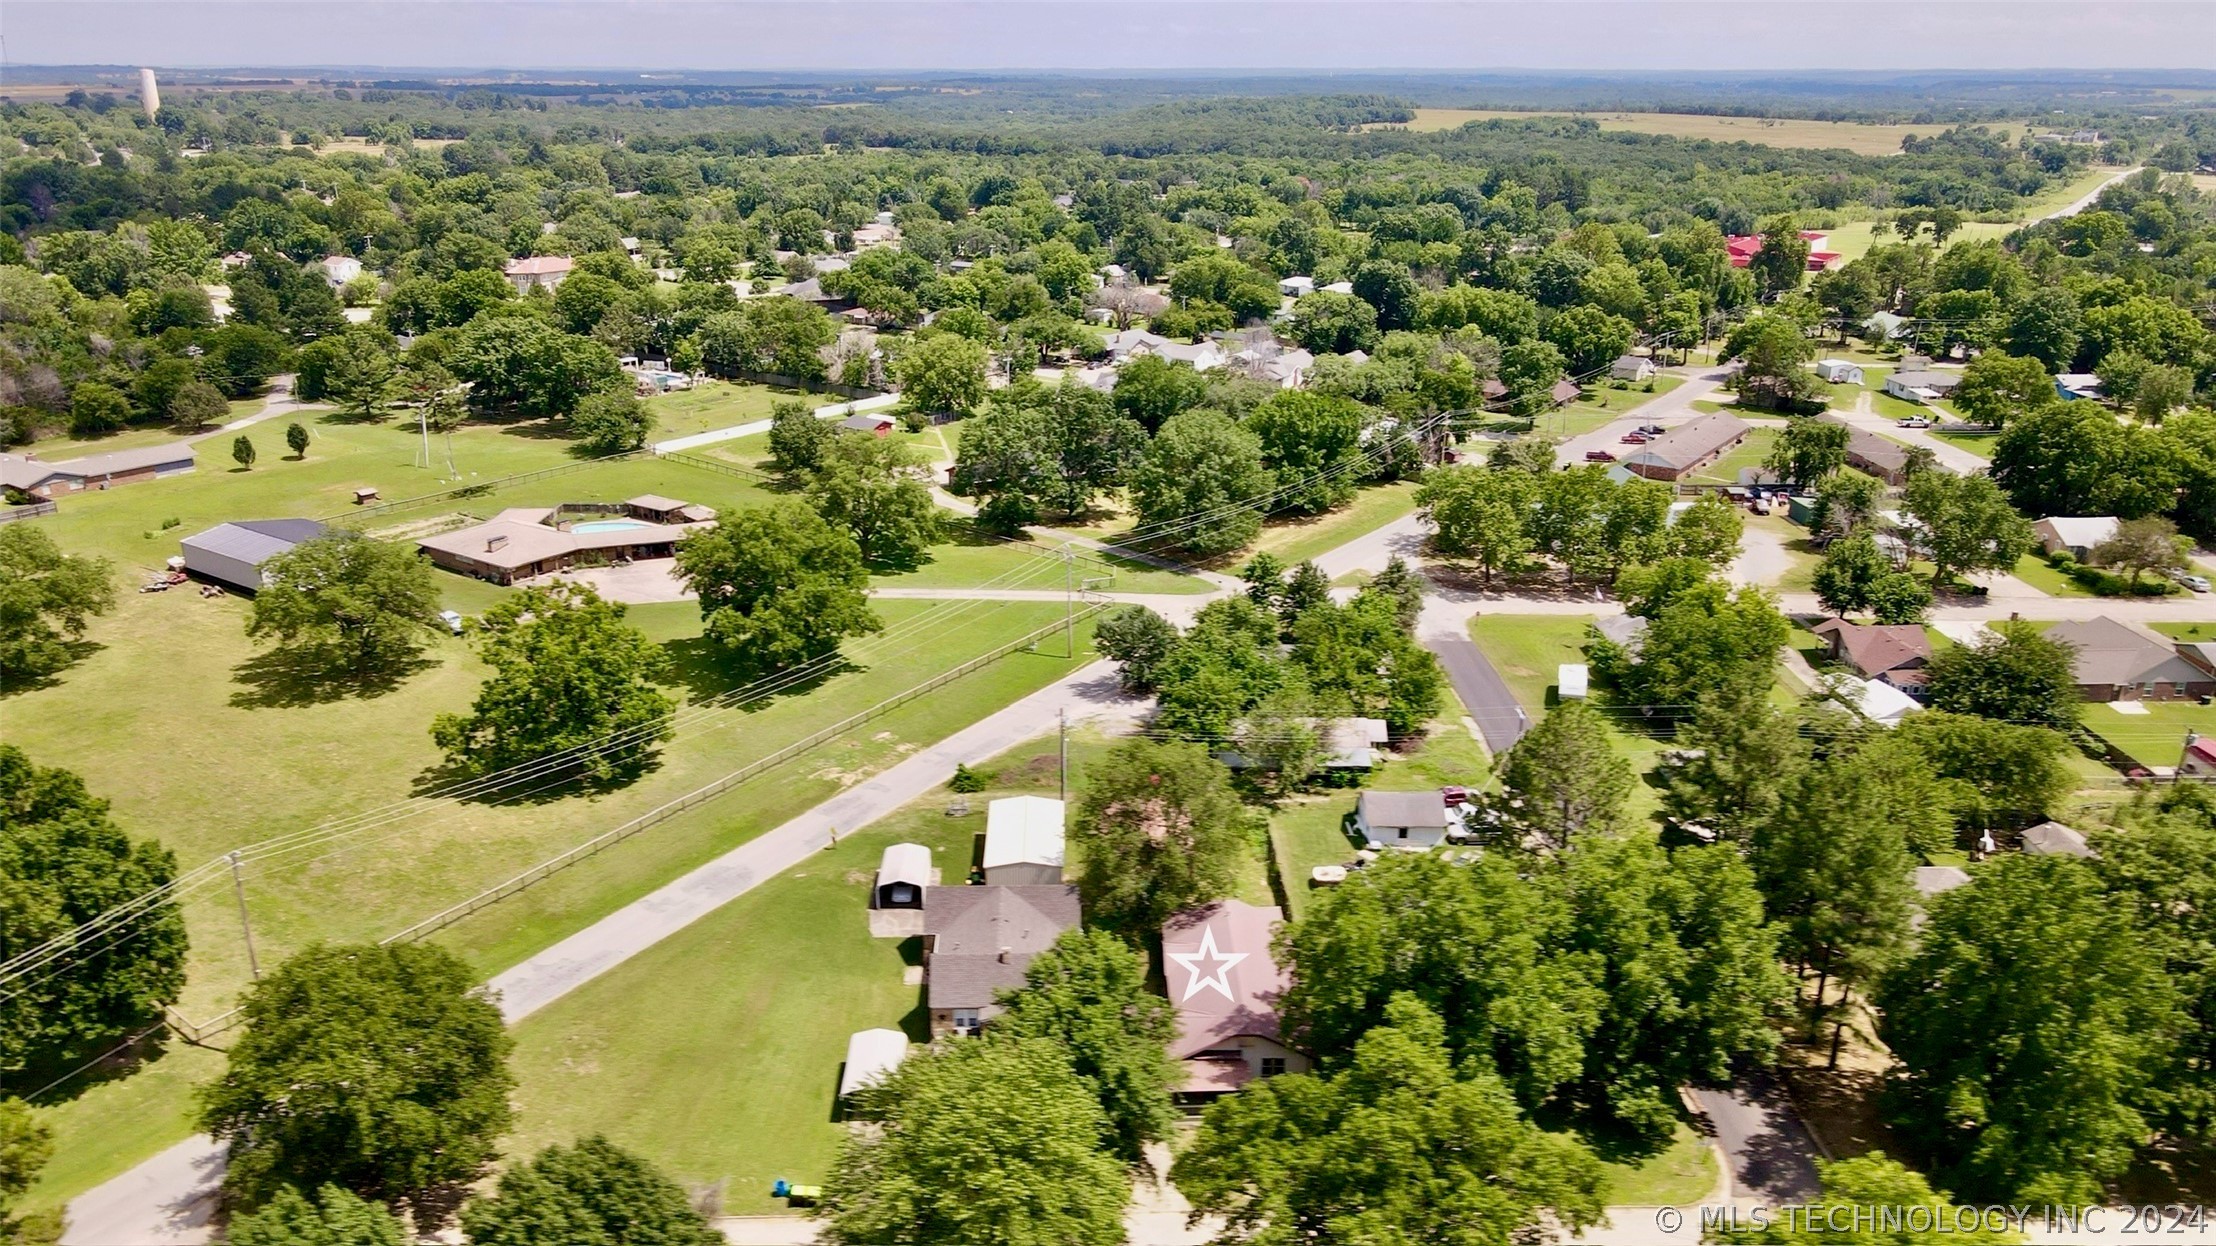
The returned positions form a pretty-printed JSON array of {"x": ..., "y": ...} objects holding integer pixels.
[
  {"x": 1839, "y": 371},
  {"x": 1872, "y": 453},
  {"x": 902, "y": 874},
  {"x": 2117, "y": 662},
  {"x": 1571, "y": 681},
  {"x": 2201, "y": 653},
  {"x": 1631, "y": 368},
  {"x": 2070, "y": 386},
  {"x": 1339, "y": 287},
  {"x": 1884, "y": 326},
  {"x": 233, "y": 553},
  {"x": 2199, "y": 759},
  {"x": 867, "y": 422},
  {"x": 2052, "y": 839},
  {"x": 1295, "y": 287},
  {"x": 30, "y": 474},
  {"x": 1565, "y": 391},
  {"x": 1921, "y": 384},
  {"x": 525, "y": 541},
  {"x": 1688, "y": 447},
  {"x": 340, "y": 269},
  {"x": 1024, "y": 842},
  {"x": 1898, "y": 655},
  {"x": 1937, "y": 880},
  {"x": 977, "y": 941},
  {"x": 1220, "y": 974},
  {"x": 871, "y": 1057},
  {"x": 1627, "y": 632},
  {"x": 2079, "y": 535},
  {"x": 542, "y": 271},
  {"x": 1417, "y": 820},
  {"x": 1348, "y": 744},
  {"x": 1878, "y": 701}
]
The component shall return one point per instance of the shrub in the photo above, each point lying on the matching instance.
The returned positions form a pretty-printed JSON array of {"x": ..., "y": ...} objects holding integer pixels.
[{"x": 965, "y": 780}]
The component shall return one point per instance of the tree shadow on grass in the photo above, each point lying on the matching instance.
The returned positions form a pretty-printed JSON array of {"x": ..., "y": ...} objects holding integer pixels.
[
  {"x": 533, "y": 782},
  {"x": 291, "y": 677},
  {"x": 16, "y": 684},
  {"x": 60, "y": 1076},
  {"x": 705, "y": 669}
]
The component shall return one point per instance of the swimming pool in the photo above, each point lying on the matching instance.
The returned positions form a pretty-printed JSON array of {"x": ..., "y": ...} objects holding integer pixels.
[{"x": 606, "y": 525}]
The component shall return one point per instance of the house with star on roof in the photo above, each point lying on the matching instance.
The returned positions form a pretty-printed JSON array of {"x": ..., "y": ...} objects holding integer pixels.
[{"x": 1225, "y": 984}]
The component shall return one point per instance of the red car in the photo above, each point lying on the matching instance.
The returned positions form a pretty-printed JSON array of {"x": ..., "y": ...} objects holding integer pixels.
[
  {"x": 1636, "y": 439},
  {"x": 1599, "y": 456}
]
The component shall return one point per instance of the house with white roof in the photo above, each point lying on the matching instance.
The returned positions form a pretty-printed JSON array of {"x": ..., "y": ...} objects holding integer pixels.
[
  {"x": 340, "y": 269},
  {"x": 1024, "y": 842},
  {"x": 2078, "y": 535}
]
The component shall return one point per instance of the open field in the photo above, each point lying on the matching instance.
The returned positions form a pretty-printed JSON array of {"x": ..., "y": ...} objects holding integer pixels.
[
  {"x": 1979, "y": 444},
  {"x": 720, "y": 404},
  {"x": 1859, "y": 137},
  {"x": 1298, "y": 538},
  {"x": 165, "y": 684},
  {"x": 1748, "y": 453},
  {"x": 1603, "y": 403},
  {"x": 1526, "y": 649}
]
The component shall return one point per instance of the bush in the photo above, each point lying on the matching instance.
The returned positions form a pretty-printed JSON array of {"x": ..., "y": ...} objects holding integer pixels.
[{"x": 965, "y": 780}]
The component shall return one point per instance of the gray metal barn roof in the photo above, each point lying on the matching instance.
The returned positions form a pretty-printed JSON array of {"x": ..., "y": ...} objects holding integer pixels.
[{"x": 254, "y": 540}]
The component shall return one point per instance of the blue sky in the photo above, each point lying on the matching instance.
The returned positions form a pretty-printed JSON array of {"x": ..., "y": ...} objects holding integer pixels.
[{"x": 1105, "y": 34}]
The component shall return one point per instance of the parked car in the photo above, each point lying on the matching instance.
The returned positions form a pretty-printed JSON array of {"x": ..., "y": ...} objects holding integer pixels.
[
  {"x": 1915, "y": 421},
  {"x": 1636, "y": 439},
  {"x": 1651, "y": 430},
  {"x": 1599, "y": 456},
  {"x": 2198, "y": 583},
  {"x": 452, "y": 620}
]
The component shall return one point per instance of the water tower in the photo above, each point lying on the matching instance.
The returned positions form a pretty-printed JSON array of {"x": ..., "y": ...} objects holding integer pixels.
[{"x": 150, "y": 96}]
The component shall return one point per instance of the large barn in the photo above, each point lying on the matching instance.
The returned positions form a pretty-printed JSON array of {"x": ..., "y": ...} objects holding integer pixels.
[{"x": 232, "y": 554}]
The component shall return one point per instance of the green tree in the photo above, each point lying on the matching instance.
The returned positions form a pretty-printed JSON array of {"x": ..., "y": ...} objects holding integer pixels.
[
  {"x": 2158, "y": 863},
  {"x": 67, "y": 864},
  {"x": 347, "y": 601},
  {"x": 1998, "y": 387},
  {"x": 985, "y": 1144},
  {"x": 1528, "y": 371},
  {"x": 1781, "y": 262},
  {"x": 2005, "y": 775},
  {"x": 592, "y": 1193},
  {"x": 530, "y": 367},
  {"x": 1899, "y": 598},
  {"x": 46, "y": 600},
  {"x": 154, "y": 389},
  {"x": 1088, "y": 995},
  {"x": 1312, "y": 443},
  {"x": 1774, "y": 352},
  {"x": 361, "y": 375},
  {"x": 1152, "y": 390},
  {"x": 2014, "y": 674},
  {"x": 1477, "y": 515},
  {"x": 1093, "y": 446},
  {"x": 242, "y": 450},
  {"x": 1330, "y": 323},
  {"x": 26, "y": 1143},
  {"x": 334, "y": 1217},
  {"x": 1391, "y": 289},
  {"x": 1401, "y": 1145},
  {"x": 1589, "y": 337},
  {"x": 1807, "y": 450},
  {"x": 2044, "y": 325},
  {"x": 1138, "y": 640},
  {"x": 296, "y": 439},
  {"x": 797, "y": 439},
  {"x": 1740, "y": 757},
  {"x": 1564, "y": 779},
  {"x": 297, "y": 1103},
  {"x": 1851, "y": 567},
  {"x": 2162, "y": 389},
  {"x": 869, "y": 486},
  {"x": 1703, "y": 638},
  {"x": 196, "y": 405},
  {"x": 2030, "y": 1023},
  {"x": 778, "y": 585},
  {"x": 1201, "y": 485},
  {"x": 569, "y": 677},
  {"x": 1709, "y": 530},
  {"x": 1006, "y": 462},
  {"x": 2141, "y": 546},
  {"x": 943, "y": 374},
  {"x": 95, "y": 410},
  {"x": 1158, "y": 831},
  {"x": 611, "y": 423},
  {"x": 1965, "y": 524}
]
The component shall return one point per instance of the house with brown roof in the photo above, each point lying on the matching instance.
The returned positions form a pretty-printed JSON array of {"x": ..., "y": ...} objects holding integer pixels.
[
  {"x": 1688, "y": 447},
  {"x": 525, "y": 541},
  {"x": 977, "y": 941},
  {"x": 543, "y": 271},
  {"x": 1873, "y": 454},
  {"x": 1220, "y": 974},
  {"x": 1899, "y": 655},
  {"x": 2117, "y": 662}
]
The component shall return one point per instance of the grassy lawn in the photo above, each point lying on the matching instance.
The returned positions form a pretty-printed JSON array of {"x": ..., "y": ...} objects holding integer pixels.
[
  {"x": 157, "y": 720},
  {"x": 2155, "y": 738},
  {"x": 1609, "y": 400},
  {"x": 2186, "y": 631},
  {"x": 719, "y": 404},
  {"x": 1683, "y": 1172},
  {"x": 973, "y": 559},
  {"x": 1296, "y": 538},
  {"x": 1979, "y": 444},
  {"x": 2033, "y": 569},
  {"x": 1748, "y": 453}
]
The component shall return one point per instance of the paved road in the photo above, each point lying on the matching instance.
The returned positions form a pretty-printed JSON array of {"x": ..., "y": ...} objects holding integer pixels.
[
  {"x": 1444, "y": 629},
  {"x": 1667, "y": 410},
  {"x": 1771, "y": 1157},
  {"x": 2086, "y": 201}
]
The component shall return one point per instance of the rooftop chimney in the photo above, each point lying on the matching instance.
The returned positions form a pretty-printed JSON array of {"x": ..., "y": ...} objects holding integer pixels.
[{"x": 1004, "y": 956}]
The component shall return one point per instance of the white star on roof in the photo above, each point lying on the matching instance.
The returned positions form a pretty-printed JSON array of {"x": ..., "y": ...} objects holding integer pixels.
[{"x": 1218, "y": 977}]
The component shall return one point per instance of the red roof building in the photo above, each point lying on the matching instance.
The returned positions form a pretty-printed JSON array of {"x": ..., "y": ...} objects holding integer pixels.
[
  {"x": 1741, "y": 248},
  {"x": 1217, "y": 965}
]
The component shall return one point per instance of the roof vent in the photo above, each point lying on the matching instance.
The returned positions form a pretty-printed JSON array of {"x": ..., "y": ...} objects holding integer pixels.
[{"x": 493, "y": 543}]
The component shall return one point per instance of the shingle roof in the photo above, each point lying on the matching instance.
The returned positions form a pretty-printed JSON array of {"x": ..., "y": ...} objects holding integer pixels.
[
  {"x": 982, "y": 938},
  {"x": 22, "y": 471},
  {"x": 1685, "y": 446},
  {"x": 2052, "y": 839},
  {"x": 539, "y": 265},
  {"x": 1410, "y": 809},
  {"x": 1932, "y": 880},
  {"x": 1887, "y": 454},
  {"x": 1876, "y": 649},
  {"x": 2077, "y": 531},
  {"x": 2109, "y": 652}
]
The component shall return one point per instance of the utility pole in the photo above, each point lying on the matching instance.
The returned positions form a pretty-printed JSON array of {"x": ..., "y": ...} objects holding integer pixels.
[
  {"x": 1064, "y": 715},
  {"x": 1069, "y": 601},
  {"x": 423, "y": 426},
  {"x": 238, "y": 888}
]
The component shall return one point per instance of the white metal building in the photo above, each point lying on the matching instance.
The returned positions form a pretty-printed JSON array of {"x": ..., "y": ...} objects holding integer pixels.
[
  {"x": 1023, "y": 841},
  {"x": 233, "y": 553}
]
